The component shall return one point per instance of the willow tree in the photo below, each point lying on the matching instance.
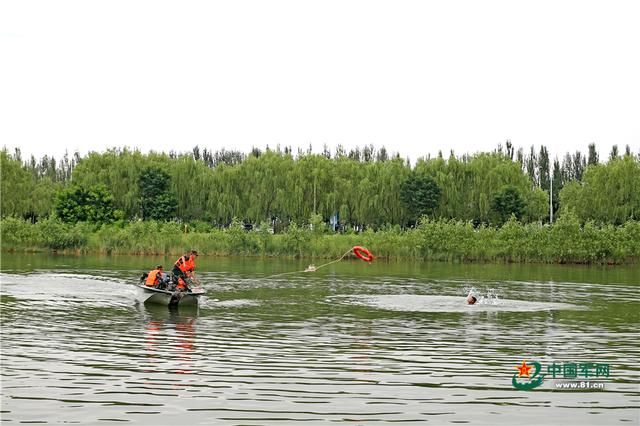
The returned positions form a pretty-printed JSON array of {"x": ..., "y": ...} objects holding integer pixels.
[
  {"x": 363, "y": 187},
  {"x": 16, "y": 186},
  {"x": 608, "y": 192},
  {"x": 189, "y": 180},
  {"x": 262, "y": 183},
  {"x": 119, "y": 171},
  {"x": 42, "y": 198},
  {"x": 470, "y": 184},
  {"x": 386, "y": 194},
  {"x": 312, "y": 182},
  {"x": 347, "y": 177}
]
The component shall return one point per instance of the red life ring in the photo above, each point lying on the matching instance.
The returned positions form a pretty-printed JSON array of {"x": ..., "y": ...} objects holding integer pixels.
[{"x": 362, "y": 253}]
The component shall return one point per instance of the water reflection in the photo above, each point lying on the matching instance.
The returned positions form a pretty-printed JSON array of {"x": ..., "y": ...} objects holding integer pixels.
[
  {"x": 318, "y": 349},
  {"x": 169, "y": 337}
]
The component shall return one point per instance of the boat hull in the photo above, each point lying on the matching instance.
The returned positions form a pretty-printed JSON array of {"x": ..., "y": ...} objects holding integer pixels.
[{"x": 154, "y": 296}]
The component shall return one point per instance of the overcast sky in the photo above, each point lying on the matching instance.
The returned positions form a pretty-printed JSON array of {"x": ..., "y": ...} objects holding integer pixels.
[{"x": 413, "y": 76}]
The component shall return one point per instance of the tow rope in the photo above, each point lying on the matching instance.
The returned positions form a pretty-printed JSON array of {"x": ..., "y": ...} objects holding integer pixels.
[{"x": 360, "y": 252}]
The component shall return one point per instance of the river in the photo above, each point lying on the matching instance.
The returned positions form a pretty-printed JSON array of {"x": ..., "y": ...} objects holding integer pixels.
[{"x": 351, "y": 342}]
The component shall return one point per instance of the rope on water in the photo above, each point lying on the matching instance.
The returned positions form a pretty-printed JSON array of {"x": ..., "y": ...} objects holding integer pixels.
[{"x": 312, "y": 268}]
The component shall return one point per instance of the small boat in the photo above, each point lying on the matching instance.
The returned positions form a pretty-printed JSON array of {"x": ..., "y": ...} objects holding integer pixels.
[{"x": 156, "y": 296}]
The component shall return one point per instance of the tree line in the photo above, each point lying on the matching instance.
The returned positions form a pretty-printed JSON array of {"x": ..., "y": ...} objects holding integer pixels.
[{"x": 362, "y": 188}]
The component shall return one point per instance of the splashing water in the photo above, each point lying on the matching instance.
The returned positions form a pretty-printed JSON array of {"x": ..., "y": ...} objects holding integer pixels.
[{"x": 489, "y": 298}]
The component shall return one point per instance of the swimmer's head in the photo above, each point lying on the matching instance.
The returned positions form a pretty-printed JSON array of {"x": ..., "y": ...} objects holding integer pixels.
[{"x": 471, "y": 300}]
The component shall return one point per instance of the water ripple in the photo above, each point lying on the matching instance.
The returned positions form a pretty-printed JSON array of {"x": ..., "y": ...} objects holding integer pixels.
[{"x": 78, "y": 349}]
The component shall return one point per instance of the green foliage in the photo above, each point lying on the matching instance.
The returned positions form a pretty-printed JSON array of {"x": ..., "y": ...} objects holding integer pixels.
[
  {"x": 43, "y": 197},
  {"x": 420, "y": 194},
  {"x": 23, "y": 193},
  {"x": 366, "y": 189},
  {"x": 16, "y": 185},
  {"x": 317, "y": 225},
  {"x": 295, "y": 240},
  {"x": 265, "y": 237},
  {"x": 212, "y": 197},
  {"x": 512, "y": 238},
  {"x": 443, "y": 240},
  {"x": 236, "y": 236},
  {"x": 156, "y": 199},
  {"x": 626, "y": 244},
  {"x": 508, "y": 202},
  {"x": 18, "y": 233},
  {"x": 199, "y": 226},
  {"x": 469, "y": 184},
  {"x": 536, "y": 206},
  {"x": 274, "y": 184},
  {"x": 608, "y": 192},
  {"x": 93, "y": 205},
  {"x": 57, "y": 235},
  {"x": 564, "y": 237}
]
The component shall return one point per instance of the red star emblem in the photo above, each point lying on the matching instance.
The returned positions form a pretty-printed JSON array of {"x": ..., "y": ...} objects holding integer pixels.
[{"x": 524, "y": 369}]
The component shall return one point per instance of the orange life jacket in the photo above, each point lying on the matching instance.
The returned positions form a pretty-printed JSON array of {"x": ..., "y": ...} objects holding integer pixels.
[
  {"x": 153, "y": 278},
  {"x": 186, "y": 263}
]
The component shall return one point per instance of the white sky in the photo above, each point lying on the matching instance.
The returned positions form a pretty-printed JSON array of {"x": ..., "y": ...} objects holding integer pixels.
[{"x": 414, "y": 76}]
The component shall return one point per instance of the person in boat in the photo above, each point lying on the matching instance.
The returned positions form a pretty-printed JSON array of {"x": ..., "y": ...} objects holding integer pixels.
[
  {"x": 156, "y": 278},
  {"x": 183, "y": 269}
]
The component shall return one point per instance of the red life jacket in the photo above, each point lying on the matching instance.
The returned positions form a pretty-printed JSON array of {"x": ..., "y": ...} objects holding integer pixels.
[{"x": 153, "y": 278}]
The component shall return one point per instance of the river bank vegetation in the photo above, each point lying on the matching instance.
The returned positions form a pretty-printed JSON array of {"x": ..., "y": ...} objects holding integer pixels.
[{"x": 482, "y": 207}]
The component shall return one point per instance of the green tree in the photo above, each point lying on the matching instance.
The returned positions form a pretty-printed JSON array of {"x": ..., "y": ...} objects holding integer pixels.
[
  {"x": 579, "y": 164},
  {"x": 16, "y": 186},
  {"x": 543, "y": 168},
  {"x": 93, "y": 205},
  {"x": 613, "y": 155},
  {"x": 156, "y": 198},
  {"x": 532, "y": 166},
  {"x": 420, "y": 194},
  {"x": 558, "y": 183},
  {"x": 592, "y": 157},
  {"x": 536, "y": 205},
  {"x": 608, "y": 192},
  {"x": 508, "y": 202},
  {"x": 42, "y": 198}
]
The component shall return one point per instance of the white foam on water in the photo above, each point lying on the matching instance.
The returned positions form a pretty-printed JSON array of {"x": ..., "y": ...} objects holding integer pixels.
[
  {"x": 87, "y": 290},
  {"x": 427, "y": 303},
  {"x": 233, "y": 303}
]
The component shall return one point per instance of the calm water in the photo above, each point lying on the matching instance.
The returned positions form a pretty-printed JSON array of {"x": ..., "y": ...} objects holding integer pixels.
[{"x": 352, "y": 342}]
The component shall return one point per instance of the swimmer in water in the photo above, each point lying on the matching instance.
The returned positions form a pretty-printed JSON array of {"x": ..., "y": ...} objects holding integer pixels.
[{"x": 471, "y": 299}]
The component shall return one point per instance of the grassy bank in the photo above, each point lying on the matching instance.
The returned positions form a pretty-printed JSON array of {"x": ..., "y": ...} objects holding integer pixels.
[{"x": 567, "y": 241}]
